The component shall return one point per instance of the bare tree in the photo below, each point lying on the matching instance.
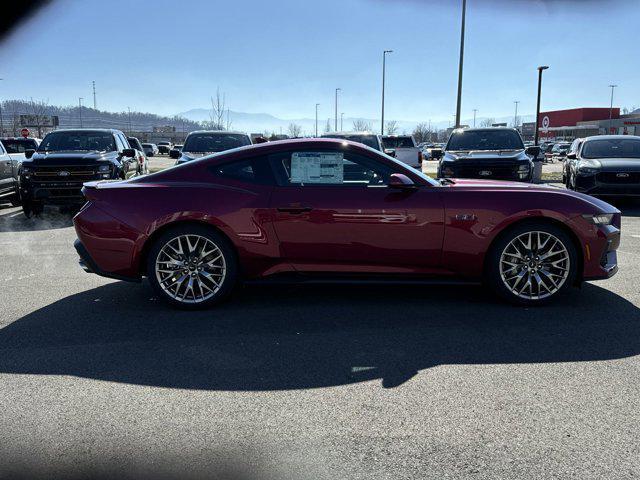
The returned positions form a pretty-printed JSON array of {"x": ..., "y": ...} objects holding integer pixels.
[
  {"x": 361, "y": 125},
  {"x": 487, "y": 122},
  {"x": 327, "y": 127},
  {"x": 295, "y": 130},
  {"x": 516, "y": 122},
  {"x": 391, "y": 127},
  {"x": 422, "y": 133},
  {"x": 217, "y": 114},
  {"x": 38, "y": 108}
]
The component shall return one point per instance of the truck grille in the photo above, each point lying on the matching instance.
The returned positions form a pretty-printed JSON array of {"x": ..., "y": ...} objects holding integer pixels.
[
  {"x": 57, "y": 173},
  {"x": 498, "y": 172}
]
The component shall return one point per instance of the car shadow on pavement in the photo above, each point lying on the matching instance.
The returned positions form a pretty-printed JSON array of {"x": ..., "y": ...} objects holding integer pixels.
[
  {"x": 304, "y": 337},
  {"x": 13, "y": 220}
]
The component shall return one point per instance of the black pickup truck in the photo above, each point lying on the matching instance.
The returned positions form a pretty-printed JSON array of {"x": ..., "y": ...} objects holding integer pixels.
[
  {"x": 488, "y": 153},
  {"x": 54, "y": 173}
]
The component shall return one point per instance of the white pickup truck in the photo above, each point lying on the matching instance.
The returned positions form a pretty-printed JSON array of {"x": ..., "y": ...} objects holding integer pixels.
[{"x": 404, "y": 149}]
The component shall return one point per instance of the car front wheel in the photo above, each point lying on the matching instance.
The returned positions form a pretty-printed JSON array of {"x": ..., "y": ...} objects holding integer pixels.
[
  {"x": 532, "y": 264},
  {"x": 192, "y": 267}
]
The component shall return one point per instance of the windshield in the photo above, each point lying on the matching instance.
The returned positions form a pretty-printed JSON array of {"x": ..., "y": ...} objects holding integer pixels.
[
  {"x": 77, "y": 141},
  {"x": 612, "y": 148},
  {"x": 368, "y": 140},
  {"x": 485, "y": 140},
  {"x": 214, "y": 142},
  {"x": 397, "y": 142},
  {"x": 19, "y": 145},
  {"x": 557, "y": 148}
]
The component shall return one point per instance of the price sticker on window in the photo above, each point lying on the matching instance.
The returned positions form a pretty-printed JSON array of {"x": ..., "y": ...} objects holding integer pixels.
[{"x": 317, "y": 167}]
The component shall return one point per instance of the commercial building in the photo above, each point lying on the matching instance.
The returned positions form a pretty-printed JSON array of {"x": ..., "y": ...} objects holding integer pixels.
[{"x": 584, "y": 122}]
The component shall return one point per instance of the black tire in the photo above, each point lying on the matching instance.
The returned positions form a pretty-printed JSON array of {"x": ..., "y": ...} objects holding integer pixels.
[
  {"x": 15, "y": 200},
  {"x": 31, "y": 209},
  {"x": 229, "y": 281},
  {"x": 493, "y": 275}
]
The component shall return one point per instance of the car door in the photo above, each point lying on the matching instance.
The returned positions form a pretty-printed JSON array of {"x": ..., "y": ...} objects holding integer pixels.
[
  {"x": 7, "y": 181},
  {"x": 335, "y": 212}
]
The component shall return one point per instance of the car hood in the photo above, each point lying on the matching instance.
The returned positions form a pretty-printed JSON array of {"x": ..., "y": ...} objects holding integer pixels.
[
  {"x": 620, "y": 164},
  {"x": 70, "y": 158},
  {"x": 500, "y": 185},
  {"x": 486, "y": 155}
]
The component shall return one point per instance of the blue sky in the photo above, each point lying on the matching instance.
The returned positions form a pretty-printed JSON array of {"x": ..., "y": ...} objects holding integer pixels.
[{"x": 283, "y": 56}]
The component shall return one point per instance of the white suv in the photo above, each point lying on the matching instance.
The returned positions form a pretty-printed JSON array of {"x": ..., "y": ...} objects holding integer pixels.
[{"x": 403, "y": 148}]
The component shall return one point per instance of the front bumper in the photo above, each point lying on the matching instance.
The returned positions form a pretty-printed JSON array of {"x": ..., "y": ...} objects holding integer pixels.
[
  {"x": 608, "y": 184},
  {"x": 600, "y": 250}
]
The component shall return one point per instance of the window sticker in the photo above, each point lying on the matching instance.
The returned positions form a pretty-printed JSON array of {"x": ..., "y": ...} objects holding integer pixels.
[{"x": 317, "y": 167}]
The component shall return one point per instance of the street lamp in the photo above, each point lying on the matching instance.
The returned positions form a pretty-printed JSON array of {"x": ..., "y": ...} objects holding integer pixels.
[
  {"x": 129, "y": 108},
  {"x": 537, "y": 134},
  {"x": 515, "y": 117},
  {"x": 612, "y": 87},
  {"x": 460, "y": 65},
  {"x": 341, "y": 119},
  {"x": 336, "y": 118},
  {"x": 475, "y": 111},
  {"x": 80, "y": 109},
  {"x": 1, "y": 124},
  {"x": 317, "y": 105},
  {"x": 384, "y": 68}
]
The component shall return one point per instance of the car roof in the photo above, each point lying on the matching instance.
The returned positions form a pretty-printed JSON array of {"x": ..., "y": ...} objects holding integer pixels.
[
  {"x": 611, "y": 137},
  {"x": 351, "y": 134},
  {"x": 103, "y": 130},
  {"x": 483, "y": 129},
  {"x": 221, "y": 132}
]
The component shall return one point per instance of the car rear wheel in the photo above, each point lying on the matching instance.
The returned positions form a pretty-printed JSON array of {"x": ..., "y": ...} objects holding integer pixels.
[
  {"x": 192, "y": 267},
  {"x": 532, "y": 264}
]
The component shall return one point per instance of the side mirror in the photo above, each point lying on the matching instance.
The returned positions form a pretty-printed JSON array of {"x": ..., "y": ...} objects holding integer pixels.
[
  {"x": 436, "y": 153},
  {"x": 390, "y": 151},
  {"x": 129, "y": 152},
  {"x": 533, "y": 151},
  {"x": 400, "y": 180},
  {"x": 29, "y": 153},
  {"x": 175, "y": 154},
  {"x": 572, "y": 156}
]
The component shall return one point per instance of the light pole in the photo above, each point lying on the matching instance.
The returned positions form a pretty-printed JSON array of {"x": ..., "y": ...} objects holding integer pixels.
[
  {"x": 129, "y": 108},
  {"x": 537, "y": 134},
  {"x": 1, "y": 124},
  {"x": 95, "y": 105},
  {"x": 515, "y": 117},
  {"x": 475, "y": 111},
  {"x": 461, "y": 63},
  {"x": 80, "y": 109},
  {"x": 317, "y": 105},
  {"x": 341, "y": 119},
  {"x": 336, "y": 118},
  {"x": 612, "y": 87},
  {"x": 384, "y": 68}
]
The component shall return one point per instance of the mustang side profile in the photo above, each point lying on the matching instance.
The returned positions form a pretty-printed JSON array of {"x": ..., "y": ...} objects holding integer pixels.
[{"x": 326, "y": 209}]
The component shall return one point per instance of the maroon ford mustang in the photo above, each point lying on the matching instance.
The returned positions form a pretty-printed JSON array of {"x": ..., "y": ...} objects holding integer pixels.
[{"x": 329, "y": 209}]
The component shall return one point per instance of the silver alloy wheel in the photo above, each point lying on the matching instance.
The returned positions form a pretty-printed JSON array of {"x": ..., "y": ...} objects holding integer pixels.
[
  {"x": 534, "y": 265},
  {"x": 190, "y": 268}
]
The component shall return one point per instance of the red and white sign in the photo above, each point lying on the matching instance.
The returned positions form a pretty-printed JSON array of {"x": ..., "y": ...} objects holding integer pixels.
[{"x": 25, "y": 132}]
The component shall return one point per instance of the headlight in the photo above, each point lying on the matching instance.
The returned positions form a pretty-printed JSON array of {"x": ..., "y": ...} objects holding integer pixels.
[
  {"x": 524, "y": 168},
  {"x": 104, "y": 168},
  {"x": 588, "y": 167},
  {"x": 447, "y": 171},
  {"x": 599, "y": 218}
]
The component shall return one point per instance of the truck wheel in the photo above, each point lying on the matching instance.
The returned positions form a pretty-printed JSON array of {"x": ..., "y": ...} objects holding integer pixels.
[
  {"x": 31, "y": 209},
  {"x": 15, "y": 201}
]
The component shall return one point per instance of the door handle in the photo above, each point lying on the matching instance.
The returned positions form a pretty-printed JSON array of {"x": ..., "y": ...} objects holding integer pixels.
[{"x": 294, "y": 209}]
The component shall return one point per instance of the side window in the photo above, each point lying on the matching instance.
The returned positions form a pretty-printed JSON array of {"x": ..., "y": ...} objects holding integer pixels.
[
  {"x": 119, "y": 146},
  {"x": 327, "y": 168},
  {"x": 255, "y": 170},
  {"x": 125, "y": 142}
]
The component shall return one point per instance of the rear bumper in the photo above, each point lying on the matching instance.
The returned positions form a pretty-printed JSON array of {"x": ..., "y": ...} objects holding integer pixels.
[{"x": 89, "y": 265}]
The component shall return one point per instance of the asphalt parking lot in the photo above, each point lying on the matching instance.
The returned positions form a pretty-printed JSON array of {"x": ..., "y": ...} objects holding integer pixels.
[{"x": 98, "y": 377}]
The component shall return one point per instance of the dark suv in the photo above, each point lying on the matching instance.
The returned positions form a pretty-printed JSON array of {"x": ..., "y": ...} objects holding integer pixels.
[
  {"x": 489, "y": 153},
  {"x": 55, "y": 172}
]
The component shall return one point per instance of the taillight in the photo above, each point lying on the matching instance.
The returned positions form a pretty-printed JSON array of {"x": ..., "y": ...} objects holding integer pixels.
[
  {"x": 420, "y": 158},
  {"x": 141, "y": 160}
]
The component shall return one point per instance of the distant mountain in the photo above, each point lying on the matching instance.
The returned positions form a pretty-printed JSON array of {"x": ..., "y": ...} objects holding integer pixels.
[{"x": 265, "y": 122}]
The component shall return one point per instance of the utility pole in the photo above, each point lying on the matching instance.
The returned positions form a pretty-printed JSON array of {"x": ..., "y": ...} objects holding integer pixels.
[
  {"x": 384, "y": 67},
  {"x": 317, "y": 105},
  {"x": 80, "y": 109},
  {"x": 515, "y": 117},
  {"x": 95, "y": 107},
  {"x": 461, "y": 63},
  {"x": 537, "y": 134},
  {"x": 475, "y": 111},
  {"x": 341, "y": 118},
  {"x": 128, "y": 108},
  {"x": 336, "y": 117},
  {"x": 612, "y": 87}
]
